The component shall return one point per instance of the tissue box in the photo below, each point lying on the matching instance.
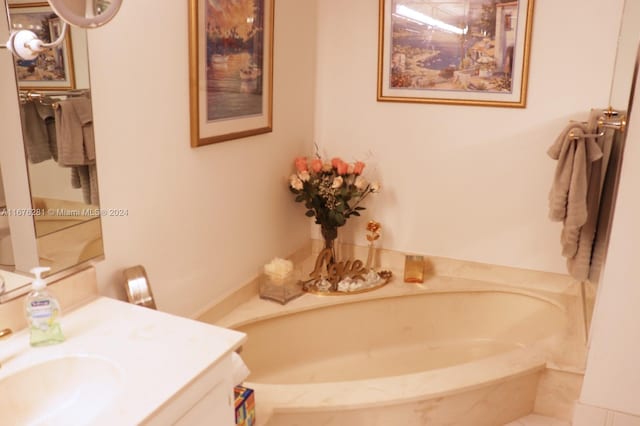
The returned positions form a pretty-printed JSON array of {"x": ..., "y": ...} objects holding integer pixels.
[{"x": 245, "y": 406}]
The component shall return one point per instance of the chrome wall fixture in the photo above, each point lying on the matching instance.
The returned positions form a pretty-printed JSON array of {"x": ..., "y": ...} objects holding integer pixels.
[{"x": 26, "y": 45}]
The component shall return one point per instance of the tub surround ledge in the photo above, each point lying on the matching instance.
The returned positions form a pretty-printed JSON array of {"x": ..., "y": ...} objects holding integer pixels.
[{"x": 519, "y": 378}]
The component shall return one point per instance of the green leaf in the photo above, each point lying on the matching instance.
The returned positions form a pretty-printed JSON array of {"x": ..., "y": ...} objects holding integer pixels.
[
  {"x": 360, "y": 208},
  {"x": 300, "y": 198},
  {"x": 310, "y": 213},
  {"x": 355, "y": 213}
]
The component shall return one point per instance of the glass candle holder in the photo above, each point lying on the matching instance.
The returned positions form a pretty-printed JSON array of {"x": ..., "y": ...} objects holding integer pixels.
[
  {"x": 414, "y": 269},
  {"x": 281, "y": 290}
]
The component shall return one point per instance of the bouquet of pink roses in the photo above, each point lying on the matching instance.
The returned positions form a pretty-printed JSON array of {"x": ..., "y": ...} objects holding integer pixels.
[{"x": 331, "y": 191}]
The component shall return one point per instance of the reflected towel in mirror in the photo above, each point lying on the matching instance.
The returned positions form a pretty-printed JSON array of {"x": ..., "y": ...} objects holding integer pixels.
[
  {"x": 76, "y": 145},
  {"x": 74, "y": 131},
  {"x": 35, "y": 134}
]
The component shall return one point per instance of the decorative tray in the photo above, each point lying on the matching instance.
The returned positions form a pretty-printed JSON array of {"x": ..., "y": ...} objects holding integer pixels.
[{"x": 322, "y": 287}]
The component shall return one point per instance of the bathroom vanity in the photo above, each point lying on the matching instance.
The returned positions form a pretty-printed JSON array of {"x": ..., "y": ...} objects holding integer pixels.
[{"x": 121, "y": 364}]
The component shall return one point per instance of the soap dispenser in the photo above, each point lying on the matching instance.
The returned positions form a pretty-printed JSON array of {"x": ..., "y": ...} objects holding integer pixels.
[{"x": 43, "y": 313}]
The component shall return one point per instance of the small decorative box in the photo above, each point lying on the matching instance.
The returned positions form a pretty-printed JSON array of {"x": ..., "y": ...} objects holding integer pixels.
[
  {"x": 281, "y": 291},
  {"x": 245, "y": 406}
]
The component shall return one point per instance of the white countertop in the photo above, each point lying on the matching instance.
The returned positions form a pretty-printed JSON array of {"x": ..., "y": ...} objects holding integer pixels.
[
  {"x": 12, "y": 281},
  {"x": 156, "y": 353}
]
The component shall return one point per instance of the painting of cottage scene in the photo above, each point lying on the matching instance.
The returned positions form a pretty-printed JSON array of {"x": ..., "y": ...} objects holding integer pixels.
[
  {"x": 466, "y": 45},
  {"x": 50, "y": 68},
  {"x": 234, "y": 31}
]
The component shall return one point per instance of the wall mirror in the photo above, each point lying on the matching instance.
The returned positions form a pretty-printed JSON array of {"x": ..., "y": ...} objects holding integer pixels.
[
  {"x": 86, "y": 13},
  {"x": 62, "y": 204}
]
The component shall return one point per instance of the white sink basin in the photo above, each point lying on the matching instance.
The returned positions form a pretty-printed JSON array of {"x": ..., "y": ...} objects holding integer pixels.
[{"x": 72, "y": 390}]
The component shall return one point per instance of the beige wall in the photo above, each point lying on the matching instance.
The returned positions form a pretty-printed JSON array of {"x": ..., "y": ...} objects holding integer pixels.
[
  {"x": 462, "y": 182},
  {"x": 459, "y": 181},
  {"x": 625, "y": 58},
  {"x": 202, "y": 221}
]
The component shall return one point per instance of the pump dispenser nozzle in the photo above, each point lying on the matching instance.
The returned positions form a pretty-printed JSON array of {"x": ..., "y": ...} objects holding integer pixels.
[{"x": 38, "y": 283}]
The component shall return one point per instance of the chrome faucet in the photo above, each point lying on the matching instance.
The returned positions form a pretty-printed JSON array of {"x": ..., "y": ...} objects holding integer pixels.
[{"x": 4, "y": 333}]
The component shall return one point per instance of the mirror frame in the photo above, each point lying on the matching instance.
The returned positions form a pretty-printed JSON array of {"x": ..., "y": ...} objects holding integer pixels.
[
  {"x": 67, "y": 14},
  {"x": 22, "y": 227}
]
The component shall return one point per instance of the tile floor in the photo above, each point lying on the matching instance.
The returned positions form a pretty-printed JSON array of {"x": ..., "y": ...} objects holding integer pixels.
[{"x": 536, "y": 420}]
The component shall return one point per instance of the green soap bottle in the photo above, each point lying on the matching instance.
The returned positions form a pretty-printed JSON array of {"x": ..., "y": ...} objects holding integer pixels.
[{"x": 43, "y": 313}]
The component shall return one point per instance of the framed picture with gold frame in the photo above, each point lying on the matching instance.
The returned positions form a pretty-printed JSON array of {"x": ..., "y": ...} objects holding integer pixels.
[
  {"x": 53, "y": 68},
  {"x": 464, "y": 52},
  {"x": 230, "y": 69}
]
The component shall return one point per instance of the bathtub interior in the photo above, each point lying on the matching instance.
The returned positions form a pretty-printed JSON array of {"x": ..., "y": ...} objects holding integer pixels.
[{"x": 394, "y": 336}]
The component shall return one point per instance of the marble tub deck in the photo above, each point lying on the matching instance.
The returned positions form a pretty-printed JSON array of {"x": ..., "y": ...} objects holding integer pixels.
[
  {"x": 536, "y": 420},
  {"x": 445, "y": 275}
]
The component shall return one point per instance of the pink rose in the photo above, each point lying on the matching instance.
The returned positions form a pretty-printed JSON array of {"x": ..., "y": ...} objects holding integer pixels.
[
  {"x": 358, "y": 167},
  {"x": 343, "y": 168},
  {"x": 301, "y": 164},
  {"x": 316, "y": 165},
  {"x": 336, "y": 161}
]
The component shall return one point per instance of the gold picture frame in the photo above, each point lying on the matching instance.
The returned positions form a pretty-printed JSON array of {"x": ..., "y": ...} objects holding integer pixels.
[
  {"x": 53, "y": 69},
  {"x": 230, "y": 69},
  {"x": 461, "y": 52}
]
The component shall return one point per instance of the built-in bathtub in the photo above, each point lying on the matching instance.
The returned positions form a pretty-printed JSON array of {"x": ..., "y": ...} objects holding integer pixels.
[{"x": 464, "y": 355}]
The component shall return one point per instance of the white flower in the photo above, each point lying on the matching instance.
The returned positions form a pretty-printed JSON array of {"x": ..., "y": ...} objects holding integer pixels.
[
  {"x": 375, "y": 187},
  {"x": 295, "y": 182},
  {"x": 360, "y": 183},
  {"x": 278, "y": 268},
  {"x": 304, "y": 176},
  {"x": 326, "y": 167},
  {"x": 337, "y": 182},
  {"x": 344, "y": 284}
]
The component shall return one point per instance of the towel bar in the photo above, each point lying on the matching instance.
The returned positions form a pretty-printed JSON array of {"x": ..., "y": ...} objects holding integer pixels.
[{"x": 620, "y": 123}]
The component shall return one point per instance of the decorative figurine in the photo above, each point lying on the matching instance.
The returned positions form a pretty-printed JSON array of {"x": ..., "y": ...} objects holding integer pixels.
[
  {"x": 348, "y": 276},
  {"x": 374, "y": 233}
]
